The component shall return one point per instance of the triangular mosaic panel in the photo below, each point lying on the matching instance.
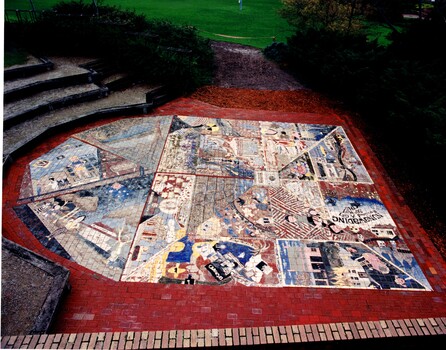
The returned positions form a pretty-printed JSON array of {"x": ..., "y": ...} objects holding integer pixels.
[{"x": 194, "y": 200}]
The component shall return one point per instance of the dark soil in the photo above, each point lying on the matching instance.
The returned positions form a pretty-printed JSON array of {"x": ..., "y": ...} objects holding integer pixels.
[
  {"x": 245, "y": 79},
  {"x": 24, "y": 290}
]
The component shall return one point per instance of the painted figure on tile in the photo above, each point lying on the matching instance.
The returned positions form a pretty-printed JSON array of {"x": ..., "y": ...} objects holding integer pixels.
[
  {"x": 116, "y": 258},
  {"x": 315, "y": 219},
  {"x": 78, "y": 167},
  {"x": 300, "y": 169},
  {"x": 65, "y": 214},
  {"x": 53, "y": 183},
  {"x": 119, "y": 191},
  {"x": 42, "y": 163}
]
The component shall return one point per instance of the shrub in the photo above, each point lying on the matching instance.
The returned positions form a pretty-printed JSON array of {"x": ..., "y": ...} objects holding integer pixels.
[
  {"x": 398, "y": 90},
  {"x": 334, "y": 62},
  {"x": 154, "y": 51},
  {"x": 277, "y": 51}
]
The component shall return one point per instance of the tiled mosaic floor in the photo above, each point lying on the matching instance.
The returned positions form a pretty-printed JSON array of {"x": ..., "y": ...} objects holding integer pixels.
[
  {"x": 100, "y": 300},
  {"x": 195, "y": 200}
]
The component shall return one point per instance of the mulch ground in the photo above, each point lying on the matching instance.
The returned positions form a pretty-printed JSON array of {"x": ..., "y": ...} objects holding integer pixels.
[
  {"x": 302, "y": 100},
  {"x": 307, "y": 101}
]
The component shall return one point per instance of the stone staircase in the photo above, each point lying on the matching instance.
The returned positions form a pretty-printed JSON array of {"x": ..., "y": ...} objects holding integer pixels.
[{"x": 47, "y": 94}]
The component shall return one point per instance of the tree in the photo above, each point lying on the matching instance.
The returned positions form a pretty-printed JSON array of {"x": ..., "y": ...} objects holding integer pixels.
[
  {"x": 331, "y": 15},
  {"x": 438, "y": 13},
  {"x": 389, "y": 11}
]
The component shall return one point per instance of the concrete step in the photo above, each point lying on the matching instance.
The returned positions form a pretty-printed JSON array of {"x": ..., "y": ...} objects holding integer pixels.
[
  {"x": 65, "y": 72},
  {"x": 76, "y": 89},
  {"x": 60, "y": 67},
  {"x": 46, "y": 101},
  {"x": 33, "y": 66},
  {"x": 33, "y": 88},
  {"x": 119, "y": 81},
  {"x": 101, "y": 67},
  {"x": 130, "y": 101}
]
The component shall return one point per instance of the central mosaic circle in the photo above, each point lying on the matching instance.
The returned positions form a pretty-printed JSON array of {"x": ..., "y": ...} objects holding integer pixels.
[{"x": 192, "y": 200}]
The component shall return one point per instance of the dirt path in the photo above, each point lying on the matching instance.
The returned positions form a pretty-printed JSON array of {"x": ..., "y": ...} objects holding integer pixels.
[{"x": 239, "y": 66}]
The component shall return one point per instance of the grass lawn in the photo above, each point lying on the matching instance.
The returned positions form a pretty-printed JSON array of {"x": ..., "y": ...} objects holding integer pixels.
[
  {"x": 14, "y": 56},
  {"x": 255, "y": 25}
]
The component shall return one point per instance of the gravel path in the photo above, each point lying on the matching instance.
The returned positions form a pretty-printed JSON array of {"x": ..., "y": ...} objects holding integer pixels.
[{"x": 239, "y": 66}]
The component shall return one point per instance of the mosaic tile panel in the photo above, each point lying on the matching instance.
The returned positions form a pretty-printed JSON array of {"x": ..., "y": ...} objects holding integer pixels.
[{"x": 195, "y": 200}]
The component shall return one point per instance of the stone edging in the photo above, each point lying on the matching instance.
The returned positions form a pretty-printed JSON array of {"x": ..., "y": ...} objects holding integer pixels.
[
  {"x": 49, "y": 106},
  {"x": 58, "y": 286},
  {"x": 28, "y": 70},
  {"x": 405, "y": 331},
  {"x": 40, "y": 86}
]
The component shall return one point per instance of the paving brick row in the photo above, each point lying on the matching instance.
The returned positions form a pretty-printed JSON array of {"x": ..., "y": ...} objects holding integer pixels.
[{"x": 214, "y": 337}]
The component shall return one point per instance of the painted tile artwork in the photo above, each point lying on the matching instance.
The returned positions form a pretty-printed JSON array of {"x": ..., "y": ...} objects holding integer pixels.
[{"x": 193, "y": 200}]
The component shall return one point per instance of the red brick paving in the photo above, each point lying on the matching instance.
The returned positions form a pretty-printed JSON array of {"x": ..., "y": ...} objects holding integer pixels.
[{"x": 97, "y": 304}]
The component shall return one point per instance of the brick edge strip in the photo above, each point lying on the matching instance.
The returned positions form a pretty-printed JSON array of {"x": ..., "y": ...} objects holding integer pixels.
[{"x": 228, "y": 337}]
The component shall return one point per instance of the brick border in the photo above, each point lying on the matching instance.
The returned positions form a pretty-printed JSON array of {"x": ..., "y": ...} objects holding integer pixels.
[
  {"x": 322, "y": 334},
  {"x": 97, "y": 304}
]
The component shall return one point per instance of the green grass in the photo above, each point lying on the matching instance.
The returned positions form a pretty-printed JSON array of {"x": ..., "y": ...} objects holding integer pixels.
[
  {"x": 255, "y": 25},
  {"x": 14, "y": 56}
]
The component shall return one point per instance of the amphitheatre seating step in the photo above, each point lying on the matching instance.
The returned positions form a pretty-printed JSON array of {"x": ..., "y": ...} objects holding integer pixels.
[
  {"x": 114, "y": 77},
  {"x": 32, "y": 114},
  {"x": 32, "y": 66},
  {"x": 117, "y": 81},
  {"x": 45, "y": 85},
  {"x": 131, "y": 101},
  {"x": 108, "y": 74},
  {"x": 160, "y": 94},
  {"x": 61, "y": 67},
  {"x": 46, "y": 101},
  {"x": 102, "y": 67}
]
